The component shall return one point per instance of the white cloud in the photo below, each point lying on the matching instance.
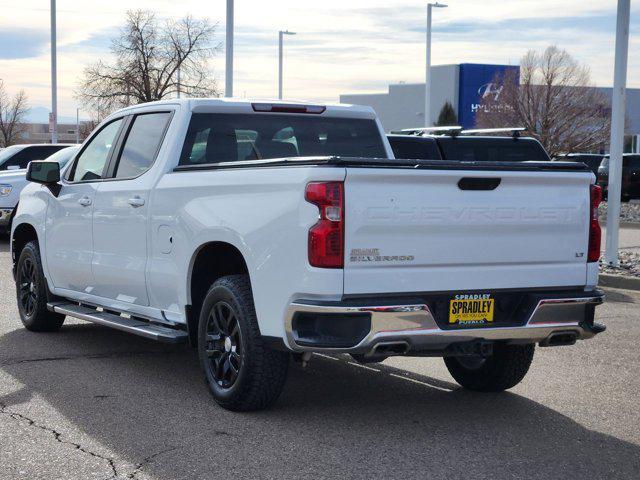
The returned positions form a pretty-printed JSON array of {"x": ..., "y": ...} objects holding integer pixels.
[{"x": 341, "y": 47}]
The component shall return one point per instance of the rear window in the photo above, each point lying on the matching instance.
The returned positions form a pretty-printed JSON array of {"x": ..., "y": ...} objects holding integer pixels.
[
  {"x": 215, "y": 138},
  {"x": 421, "y": 148},
  {"x": 492, "y": 149}
]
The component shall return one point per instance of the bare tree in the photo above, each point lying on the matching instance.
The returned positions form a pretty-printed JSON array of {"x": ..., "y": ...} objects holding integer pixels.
[
  {"x": 153, "y": 60},
  {"x": 12, "y": 112},
  {"x": 553, "y": 99},
  {"x": 86, "y": 128}
]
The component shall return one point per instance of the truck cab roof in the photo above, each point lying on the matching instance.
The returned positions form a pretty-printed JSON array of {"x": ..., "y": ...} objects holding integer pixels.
[{"x": 237, "y": 105}]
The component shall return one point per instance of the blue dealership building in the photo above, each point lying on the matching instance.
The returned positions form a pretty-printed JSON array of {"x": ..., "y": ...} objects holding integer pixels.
[{"x": 465, "y": 86}]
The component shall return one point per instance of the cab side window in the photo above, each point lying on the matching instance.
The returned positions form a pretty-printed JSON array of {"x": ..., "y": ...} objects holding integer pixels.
[
  {"x": 142, "y": 144},
  {"x": 91, "y": 162}
]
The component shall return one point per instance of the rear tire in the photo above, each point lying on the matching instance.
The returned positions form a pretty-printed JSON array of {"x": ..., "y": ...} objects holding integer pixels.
[
  {"x": 242, "y": 373},
  {"x": 33, "y": 293},
  {"x": 504, "y": 369}
]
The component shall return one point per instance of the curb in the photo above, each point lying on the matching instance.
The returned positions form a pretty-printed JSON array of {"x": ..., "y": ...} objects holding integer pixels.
[
  {"x": 630, "y": 225},
  {"x": 626, "y": 225},
  {"x": 619, "y": 281}
]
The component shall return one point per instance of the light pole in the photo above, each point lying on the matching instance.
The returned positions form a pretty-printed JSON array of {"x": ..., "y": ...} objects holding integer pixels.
[
  {"x": 53, "y": 123},
  {"x": 427, "y": 92},
  {"x": 77, "y": 125},
  {"x": 281, "y": 35},
  {"x": 179, "y": 82},
  {"x": 228, "y": 90},
  {"x": 617, "y": 132}
]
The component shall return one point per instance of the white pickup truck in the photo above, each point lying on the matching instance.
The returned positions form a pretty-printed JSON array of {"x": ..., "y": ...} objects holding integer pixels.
[{"x": 261, "y": 231}]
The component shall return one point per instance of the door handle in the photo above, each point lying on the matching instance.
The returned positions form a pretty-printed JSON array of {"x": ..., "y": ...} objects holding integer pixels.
[
  {"x": 136, "y": 201},
  {"x": 84, "y": 201}
]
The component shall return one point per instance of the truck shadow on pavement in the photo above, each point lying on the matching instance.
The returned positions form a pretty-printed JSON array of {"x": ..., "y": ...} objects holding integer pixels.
[{"x": 146, "y": 407}]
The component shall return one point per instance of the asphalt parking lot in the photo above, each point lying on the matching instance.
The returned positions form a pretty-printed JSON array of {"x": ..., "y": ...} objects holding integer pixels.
[{"x": 92, "y": 403}]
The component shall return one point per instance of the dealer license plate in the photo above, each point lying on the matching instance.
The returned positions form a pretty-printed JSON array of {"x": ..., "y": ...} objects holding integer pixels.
[{"x": 474, "y": 309}]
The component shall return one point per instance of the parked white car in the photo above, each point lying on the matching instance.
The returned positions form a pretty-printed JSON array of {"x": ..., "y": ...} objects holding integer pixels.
[
  {"x": 258, "y": 230},
  {"x": 13, "y": 167}
]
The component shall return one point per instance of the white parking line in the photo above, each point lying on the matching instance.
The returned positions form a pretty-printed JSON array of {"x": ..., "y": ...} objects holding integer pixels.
[
  {"x": 421, "y": 383},
  {"x": 356, "y": 364},
  {"x": 327, "y": 356}
]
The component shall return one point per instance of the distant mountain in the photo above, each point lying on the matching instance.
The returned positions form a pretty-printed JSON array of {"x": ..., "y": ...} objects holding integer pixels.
[{"x": 41, "y": 115}]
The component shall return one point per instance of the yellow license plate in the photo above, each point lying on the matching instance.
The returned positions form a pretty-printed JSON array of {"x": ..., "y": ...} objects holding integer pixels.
[{"x": 471, "y": 309}]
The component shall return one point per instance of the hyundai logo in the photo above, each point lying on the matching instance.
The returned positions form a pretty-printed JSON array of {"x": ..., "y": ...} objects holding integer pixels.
[{"x": 490, "y": 89}]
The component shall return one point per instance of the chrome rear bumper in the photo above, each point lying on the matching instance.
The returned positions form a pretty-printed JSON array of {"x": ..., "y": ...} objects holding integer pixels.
[{"x": 415, "y": 325}]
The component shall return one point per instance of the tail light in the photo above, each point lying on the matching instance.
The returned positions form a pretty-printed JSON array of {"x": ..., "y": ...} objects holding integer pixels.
[
  {"x": 326, "y": 238},
  {"x": 595, "y": 232}
]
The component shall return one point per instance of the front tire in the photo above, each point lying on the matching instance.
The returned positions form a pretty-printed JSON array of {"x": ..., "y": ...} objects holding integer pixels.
[
  {"x": 33, "y": 293},
  {"x": 504, "y": 369},
  {"x": 242, "y": 373}
]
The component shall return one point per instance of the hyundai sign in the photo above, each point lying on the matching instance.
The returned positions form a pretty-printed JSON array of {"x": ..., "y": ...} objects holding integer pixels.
[{"x": 477, "y": 83}]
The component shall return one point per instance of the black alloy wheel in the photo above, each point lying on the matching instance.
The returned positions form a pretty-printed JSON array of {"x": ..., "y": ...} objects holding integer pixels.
[
  {"x": 32, "y": 292},
  {"x": 242, "y": 372},
  {"x": 28, "y": 287},
  {"x": 224, "y": 344}
]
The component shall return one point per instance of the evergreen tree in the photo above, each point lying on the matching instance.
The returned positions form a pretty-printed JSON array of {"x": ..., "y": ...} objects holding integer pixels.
[{"x": 447, "y": 116}]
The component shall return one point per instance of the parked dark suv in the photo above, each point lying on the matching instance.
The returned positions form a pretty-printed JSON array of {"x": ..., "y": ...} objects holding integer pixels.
[
  {"x": 591, "y": 160},
  {"x": 630, "y": 176},
  {"x": 467, "y": 147}
]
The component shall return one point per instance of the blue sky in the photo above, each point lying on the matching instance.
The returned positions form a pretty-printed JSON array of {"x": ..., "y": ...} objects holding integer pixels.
[{"x": 341, "y": 47}]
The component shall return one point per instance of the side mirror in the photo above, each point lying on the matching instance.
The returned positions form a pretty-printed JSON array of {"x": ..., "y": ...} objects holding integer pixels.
[{"x": 47, "y": 173}]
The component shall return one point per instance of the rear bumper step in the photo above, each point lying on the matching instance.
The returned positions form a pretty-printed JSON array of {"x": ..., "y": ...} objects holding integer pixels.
[
  {"x": 130, "y": 325},
  {"x": 553, "y": 321}
]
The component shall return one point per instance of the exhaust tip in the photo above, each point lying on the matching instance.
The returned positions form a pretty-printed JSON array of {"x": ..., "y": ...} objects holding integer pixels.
[
  {"x": 388, "y": 349},
  {"x": 560, "y": 339}
]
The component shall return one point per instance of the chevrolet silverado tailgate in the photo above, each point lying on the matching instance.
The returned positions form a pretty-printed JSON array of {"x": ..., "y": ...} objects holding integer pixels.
[{"x": 425, "y": 230}]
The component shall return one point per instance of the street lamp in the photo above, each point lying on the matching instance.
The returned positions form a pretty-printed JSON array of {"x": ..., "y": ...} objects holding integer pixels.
[
  {"x": 78, "y": 126},
  {"x": 228, "y": 88},
  {"x": 53, "y": 121},
  {"x": 281, "y": 35},
  {"x": 179, "y": 82},
  {"x": 611, "y": 255},
  {"x": 427, "y": 100}
]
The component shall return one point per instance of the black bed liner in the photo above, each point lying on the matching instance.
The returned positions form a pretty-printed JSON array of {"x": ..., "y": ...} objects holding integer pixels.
[{"x": 391, "y": 163}]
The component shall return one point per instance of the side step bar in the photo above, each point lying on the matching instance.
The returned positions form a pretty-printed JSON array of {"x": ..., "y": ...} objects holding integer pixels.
[{"x": 130, "y": 325}]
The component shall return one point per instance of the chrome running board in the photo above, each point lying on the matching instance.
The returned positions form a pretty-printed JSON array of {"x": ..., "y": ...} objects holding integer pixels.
[{"x": 131, "y": 325}]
